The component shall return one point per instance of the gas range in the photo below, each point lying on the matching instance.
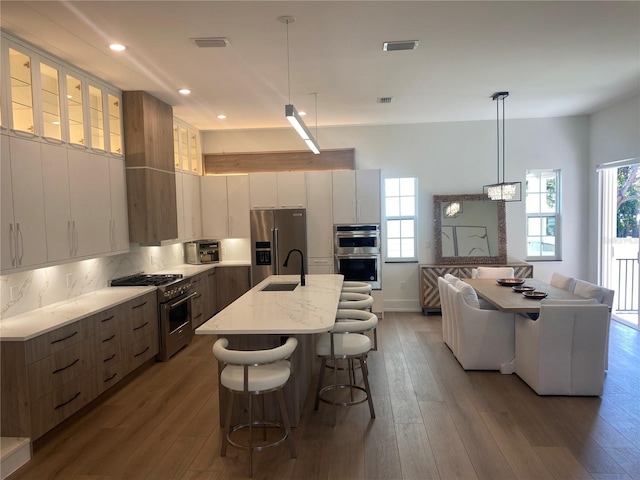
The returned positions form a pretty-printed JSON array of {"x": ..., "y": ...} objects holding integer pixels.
[{"x": 170, "y": 286}]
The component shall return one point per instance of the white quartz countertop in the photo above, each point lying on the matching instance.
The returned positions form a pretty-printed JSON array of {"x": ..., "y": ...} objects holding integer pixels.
[
  {"x": 308, "y": 309},
  {"x": 42, "y": 320}
]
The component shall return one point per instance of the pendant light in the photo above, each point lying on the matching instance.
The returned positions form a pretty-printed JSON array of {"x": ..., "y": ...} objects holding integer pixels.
[
  {"x": 289, "y": 110},
  {"x": 502, "y": 191}
]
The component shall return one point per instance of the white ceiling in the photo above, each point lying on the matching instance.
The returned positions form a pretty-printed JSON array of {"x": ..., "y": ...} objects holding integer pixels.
[{"x": 555, "y": 58}]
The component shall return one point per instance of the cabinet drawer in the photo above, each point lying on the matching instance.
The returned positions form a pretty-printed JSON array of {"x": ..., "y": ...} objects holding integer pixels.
[
  {"x": 110, "y": 373},
  {"x": 54, "y": 371},
  {"x": 108, "y": 340},
  {"x": 137, "y": 328},
  {"x": 52, "y": 342},
  {"x": 105, "y": 319},
  {"x": 138, "y": 352},
  {"x": 52, "y": 409}
]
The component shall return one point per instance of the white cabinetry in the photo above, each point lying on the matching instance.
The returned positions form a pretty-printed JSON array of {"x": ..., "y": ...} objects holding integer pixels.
[
  {"x": 90, "y": 195},
  {"x": 278, "y": 190},
  {"x": 225, "y": 206},
  {"x": 57, "y": 203},
  {"x": 319, "y": 222},
  {"x": 188, "y": 196},
  {"x": 356, "y": 196},
  {"x": 23, "y": 219}
]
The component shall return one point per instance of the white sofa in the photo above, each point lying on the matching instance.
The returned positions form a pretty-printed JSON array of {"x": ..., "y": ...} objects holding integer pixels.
[
  {"x": 562, "y": 352},
  {"x": 481, "y": 339}
]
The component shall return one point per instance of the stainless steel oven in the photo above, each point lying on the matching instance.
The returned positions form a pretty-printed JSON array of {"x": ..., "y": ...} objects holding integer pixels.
[{"x": 357, "y": 253}]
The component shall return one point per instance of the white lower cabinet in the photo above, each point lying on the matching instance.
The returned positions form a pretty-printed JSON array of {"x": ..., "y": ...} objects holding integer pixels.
[
  {"x": 23, "y": 241},
  {"x": 321, "y": 265}
]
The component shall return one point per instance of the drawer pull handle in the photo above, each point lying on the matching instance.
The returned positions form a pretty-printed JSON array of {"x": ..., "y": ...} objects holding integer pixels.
[
  {"x": 107, "y": 319},
  {"x": 65, "y": 338},
  {"x": 109, "y": 358},
  {"x": 109, "y": 339},
  {"x": 68, "y": 366},
  {"x": 67, "y": 402},
  {"x": 142, "y": 352},
  {"x": 138, "y": 306},
  {"x": 198, "y": 315},
  {"x": 110, "y": 378},
  {"x": 141, "y": 326}
]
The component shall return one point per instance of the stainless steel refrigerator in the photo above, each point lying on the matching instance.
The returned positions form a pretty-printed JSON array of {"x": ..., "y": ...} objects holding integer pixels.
[{"x": 273, "y": 234}]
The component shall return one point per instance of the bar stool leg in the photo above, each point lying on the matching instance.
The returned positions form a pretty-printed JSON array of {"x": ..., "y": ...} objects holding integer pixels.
[
  {"x": 365, "y": 377},
  {"x": 227, "y": 424},
  {"x": 323, "y": 365},
  {"x": 250, "y": 438},
  {"x": 287, "y": 425}
]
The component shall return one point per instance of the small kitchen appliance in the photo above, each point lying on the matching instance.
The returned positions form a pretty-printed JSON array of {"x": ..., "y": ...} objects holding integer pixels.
[{"x": 202, "y": 251}]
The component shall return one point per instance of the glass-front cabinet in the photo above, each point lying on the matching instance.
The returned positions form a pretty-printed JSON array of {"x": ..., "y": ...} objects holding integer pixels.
[
  {"x": 75, "y": 110},
  {"x": 21, "y": 80},
  {"x": 114, "y": 111},
  {"x": 186, "y": 148},
  {"x": 96, "y": 117},
  {"x": 50, "y": 94}
]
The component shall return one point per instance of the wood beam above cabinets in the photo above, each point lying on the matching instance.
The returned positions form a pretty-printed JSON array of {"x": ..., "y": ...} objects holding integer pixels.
[{"x": 291, "y": 161}]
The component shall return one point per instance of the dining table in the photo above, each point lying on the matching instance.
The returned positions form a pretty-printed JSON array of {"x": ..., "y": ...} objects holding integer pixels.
[{"x": 506, "y": 299}]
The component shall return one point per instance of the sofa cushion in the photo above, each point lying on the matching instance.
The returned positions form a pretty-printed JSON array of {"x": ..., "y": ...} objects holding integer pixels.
[
  {"x": 468, "y": 293},
  {"x": 560, "y": 281}
]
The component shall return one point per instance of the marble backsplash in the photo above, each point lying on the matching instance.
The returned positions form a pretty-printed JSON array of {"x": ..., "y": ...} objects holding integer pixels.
[{"x": 26, "y": 291}]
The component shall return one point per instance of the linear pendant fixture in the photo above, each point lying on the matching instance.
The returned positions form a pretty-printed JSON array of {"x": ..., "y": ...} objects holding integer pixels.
[
  {"x": 502, "y": 191},
  {"x": 289, "y": 110}
]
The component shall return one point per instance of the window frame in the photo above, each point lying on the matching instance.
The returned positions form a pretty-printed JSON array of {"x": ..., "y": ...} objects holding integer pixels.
[
  {"x": 414, "y": 218},
  {"x": 557, "y": 215}
]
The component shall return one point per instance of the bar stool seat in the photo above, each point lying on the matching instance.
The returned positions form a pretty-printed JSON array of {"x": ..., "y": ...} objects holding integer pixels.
[
  {"x": 356, "y": 287},
  {"x": 359, "y": 301},
  {"x": 346, "y": 341},
  {"x": 253, "y": 373}
]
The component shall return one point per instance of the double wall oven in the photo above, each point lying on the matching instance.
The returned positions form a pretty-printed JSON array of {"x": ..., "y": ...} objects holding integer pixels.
[
  {"x": 357, "y": 253},
  {"x": 174, "y": 308}
]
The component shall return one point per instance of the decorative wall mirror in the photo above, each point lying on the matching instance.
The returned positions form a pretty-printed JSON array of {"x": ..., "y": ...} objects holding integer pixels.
[{"x": 469, "y": 230}]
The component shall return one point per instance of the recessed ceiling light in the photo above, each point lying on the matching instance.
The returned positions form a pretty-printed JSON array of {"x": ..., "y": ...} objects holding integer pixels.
[
  {"x": 302, "y": 114},
  {"x": 222, "y": 117},
  {"x": 117, "y": 47},
  {"x": 184, "y": 91}
]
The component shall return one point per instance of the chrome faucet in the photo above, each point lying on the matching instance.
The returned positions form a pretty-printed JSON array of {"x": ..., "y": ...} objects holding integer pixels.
[{"x": 286, "y": 261}]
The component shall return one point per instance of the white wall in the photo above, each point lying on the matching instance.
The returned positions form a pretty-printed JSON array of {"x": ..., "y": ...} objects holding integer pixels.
[
  {"x": 449, "y": 158},
  {"x": 614, "y": 134}
]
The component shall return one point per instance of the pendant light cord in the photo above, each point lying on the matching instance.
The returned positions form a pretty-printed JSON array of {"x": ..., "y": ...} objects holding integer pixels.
[
  {"x": 288, "y": 65},
  {"x": 504, "y": 163},
  {"x": 498, "y": 138}
]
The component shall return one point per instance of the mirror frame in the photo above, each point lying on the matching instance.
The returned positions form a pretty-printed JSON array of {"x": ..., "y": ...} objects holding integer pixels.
[{"x": 501, "y": 258}]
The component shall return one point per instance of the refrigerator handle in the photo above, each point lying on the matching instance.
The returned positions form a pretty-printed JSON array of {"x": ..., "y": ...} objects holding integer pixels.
[{"x": 276, "y": 259}]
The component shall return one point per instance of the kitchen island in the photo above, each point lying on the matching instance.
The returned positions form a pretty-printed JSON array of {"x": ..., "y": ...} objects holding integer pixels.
[{"x": 262, "y": 319}]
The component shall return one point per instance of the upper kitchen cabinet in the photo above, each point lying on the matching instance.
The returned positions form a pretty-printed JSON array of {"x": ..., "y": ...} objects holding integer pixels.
[
  {"x": 188, "y": 206},
  {"x": 356, "y": 196},
  {"x": 319, "y": 222},
  {"x": 21, "y": 90},
  {"x": 278, "y": 190},
  {"x": 23, "y": 241},
  {"x": 186, "y": 146},
  {"x": 225, "y": 206},
  {"x": 51, "y": 104},
  {"x": 151, "y": 181}
]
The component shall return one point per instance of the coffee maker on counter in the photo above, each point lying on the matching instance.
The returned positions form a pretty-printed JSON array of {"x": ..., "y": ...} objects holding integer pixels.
[{"x": 200, "y": 252}]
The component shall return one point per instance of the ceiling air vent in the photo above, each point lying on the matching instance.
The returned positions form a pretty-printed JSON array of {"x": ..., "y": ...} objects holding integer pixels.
[
  {"x": 384, "y": 99},
  {"x": 400, "y": 45},
  {"x": 211, "y": 42}
]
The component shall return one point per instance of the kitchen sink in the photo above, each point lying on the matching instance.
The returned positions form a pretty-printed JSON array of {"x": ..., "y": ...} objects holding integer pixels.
[{"x": 279, "y": 287}]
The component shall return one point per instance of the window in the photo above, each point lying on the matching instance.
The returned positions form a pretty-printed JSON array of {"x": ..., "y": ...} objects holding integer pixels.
[
  {"x": 400, "y": 218},
  {"x": 543, "y": 215}
]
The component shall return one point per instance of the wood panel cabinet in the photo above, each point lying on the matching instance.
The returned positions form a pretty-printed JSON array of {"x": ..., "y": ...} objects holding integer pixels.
[
  {"x": 151, "y": 184},
  {"x": 232, "y": 283},
  {"x": 48, "y": 378},
  {"x": 200, "y": 303},
  {"x": 429, "y": 294}
]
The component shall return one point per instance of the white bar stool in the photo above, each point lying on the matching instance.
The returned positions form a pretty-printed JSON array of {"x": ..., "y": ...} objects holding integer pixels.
[
  {"x": 253, "y": 373},
  {"x": 356, "y": 287},
  {"x": 359, "y": 301},
  {"x": 346, "y": 340}
]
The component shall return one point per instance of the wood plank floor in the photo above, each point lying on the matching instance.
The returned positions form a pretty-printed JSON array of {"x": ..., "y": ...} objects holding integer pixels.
[{"x": 433, "y": 421}]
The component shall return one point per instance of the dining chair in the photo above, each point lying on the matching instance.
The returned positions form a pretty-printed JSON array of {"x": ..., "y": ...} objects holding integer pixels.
[
  {"x": 493, "y": 272},
  {"x": 562, "y": 352},
  {"x": 251, "y": 374},
  {"x": 484, "y": 339},
  {"x": 560, "y": 281}
]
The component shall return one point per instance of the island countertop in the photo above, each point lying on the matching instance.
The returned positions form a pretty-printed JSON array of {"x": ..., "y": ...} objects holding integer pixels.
[{"x": 308, "y": 309}]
